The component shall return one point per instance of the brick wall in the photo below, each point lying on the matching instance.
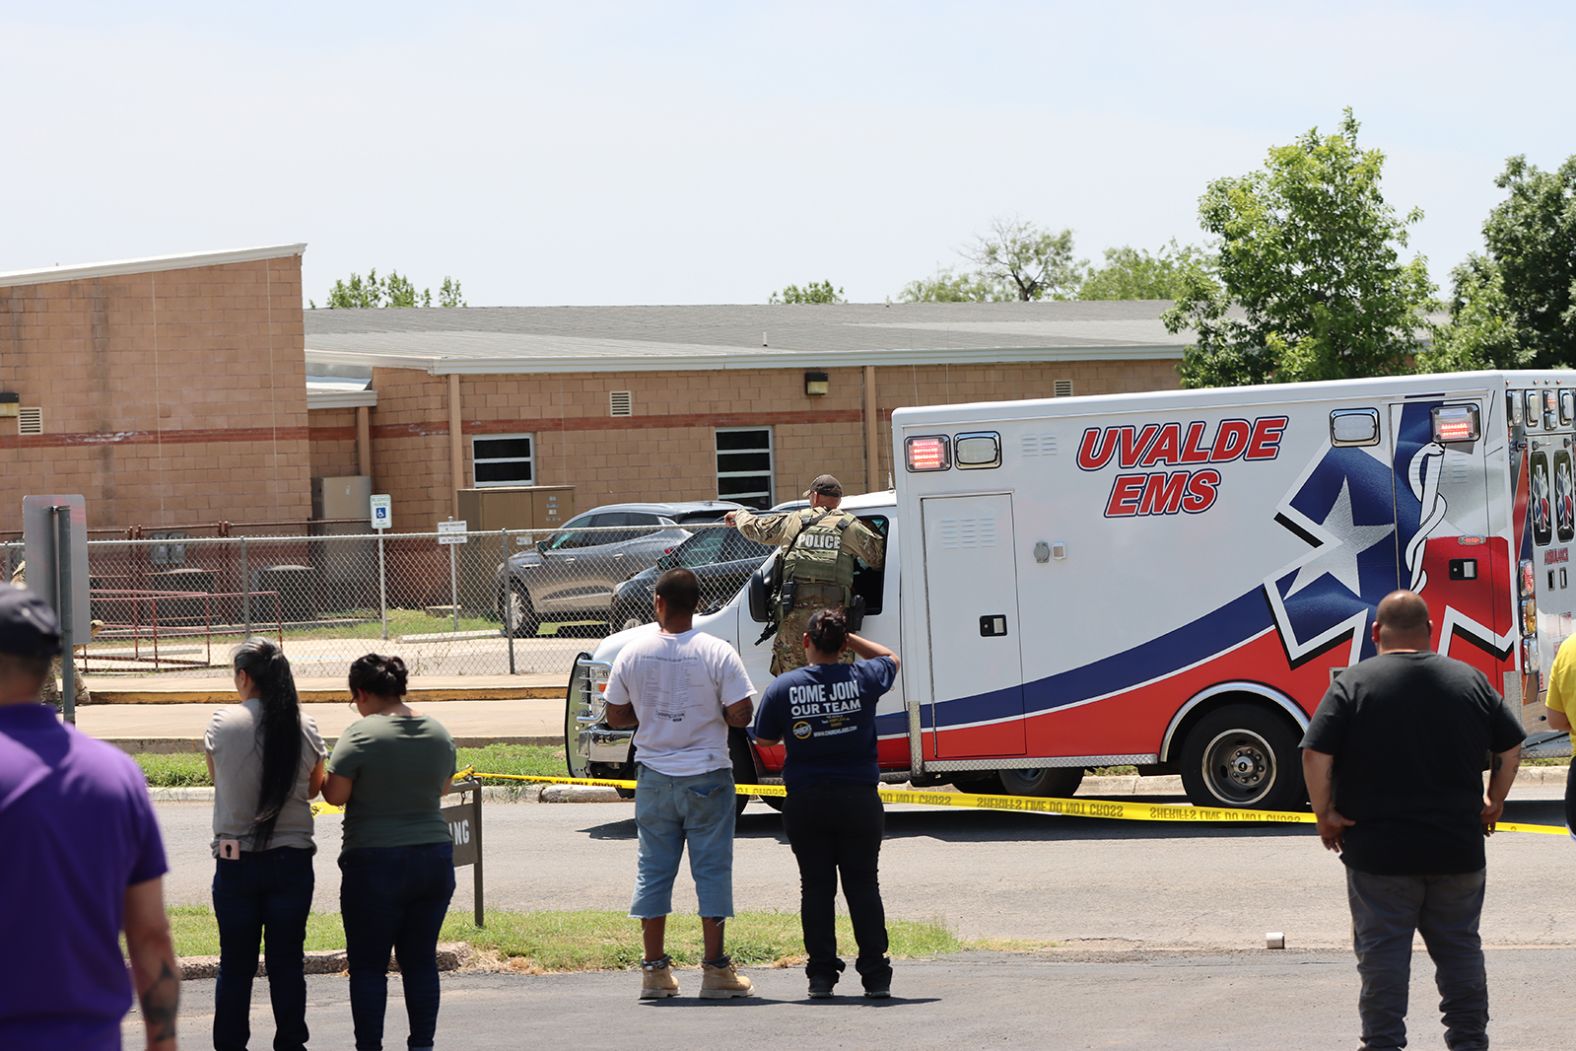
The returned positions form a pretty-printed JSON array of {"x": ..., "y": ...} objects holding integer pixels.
[
  {"x": 333, "y": 443},
  {"x": 168, "y": 398},
  {"x": 666, "y": 450}
]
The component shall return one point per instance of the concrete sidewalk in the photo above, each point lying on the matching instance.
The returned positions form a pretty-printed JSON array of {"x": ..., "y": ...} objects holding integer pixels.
[{"x": 179, "y": 727}]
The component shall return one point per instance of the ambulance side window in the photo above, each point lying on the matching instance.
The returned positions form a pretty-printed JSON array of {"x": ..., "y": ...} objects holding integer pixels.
[
  {"x": 869, "y": 582},
  {"x": 1542, "y": 509}
]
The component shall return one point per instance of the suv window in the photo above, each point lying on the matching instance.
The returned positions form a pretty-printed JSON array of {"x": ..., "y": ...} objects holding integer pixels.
[
  {"x": 708, "y": 515},
  {"x": 702, "y": 549},
  {"x": 574, "y": 533},
  {"x": 737, "y": 547}
]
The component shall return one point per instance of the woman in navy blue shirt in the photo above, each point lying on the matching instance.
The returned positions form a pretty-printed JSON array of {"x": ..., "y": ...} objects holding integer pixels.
[{"x": 826, "y": 712}]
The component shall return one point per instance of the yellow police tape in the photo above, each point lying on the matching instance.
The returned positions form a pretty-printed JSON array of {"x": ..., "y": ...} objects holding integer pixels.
[{"x": 1106, "y": 808}]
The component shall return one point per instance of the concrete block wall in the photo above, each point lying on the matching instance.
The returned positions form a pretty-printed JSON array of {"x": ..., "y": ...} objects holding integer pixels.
[
  {"x": 168, "y": 397},
  {"x": 666, "y": 450}
]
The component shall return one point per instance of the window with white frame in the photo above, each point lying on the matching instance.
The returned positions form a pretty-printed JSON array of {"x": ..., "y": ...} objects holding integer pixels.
[
  {"x": 504, "y": 459},
  {"x": 744, "y": 465}
]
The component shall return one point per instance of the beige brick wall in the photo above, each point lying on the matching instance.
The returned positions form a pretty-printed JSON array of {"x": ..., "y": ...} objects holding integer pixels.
[
  {"x": 333, "y": 443},
  {"x": 667, "y": 451},
  {"x": 168, "y": 398}
]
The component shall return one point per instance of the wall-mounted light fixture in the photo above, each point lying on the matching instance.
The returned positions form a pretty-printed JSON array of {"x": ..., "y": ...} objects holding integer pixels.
[{"x": 816, "y": 384}]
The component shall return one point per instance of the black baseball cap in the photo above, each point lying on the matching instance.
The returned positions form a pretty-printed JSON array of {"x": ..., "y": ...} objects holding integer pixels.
[
  {"x": 28, "y": 627},
  {"x": 826, "y": 485}
]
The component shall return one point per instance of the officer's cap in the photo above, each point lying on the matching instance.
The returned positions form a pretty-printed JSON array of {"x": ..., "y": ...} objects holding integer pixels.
[
  {"x": 28, "y": 627},
  {"x": 825, "y": 485}
]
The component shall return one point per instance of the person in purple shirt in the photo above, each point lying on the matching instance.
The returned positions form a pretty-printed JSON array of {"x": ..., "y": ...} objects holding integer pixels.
[{"x": 85, "y": 862}]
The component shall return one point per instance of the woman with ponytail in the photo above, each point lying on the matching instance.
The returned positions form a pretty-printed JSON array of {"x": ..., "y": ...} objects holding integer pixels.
[
  {"x": 390, "y": 770},
  {"x": 825, "y": 713},
  {"x": 266, "y": 761}
]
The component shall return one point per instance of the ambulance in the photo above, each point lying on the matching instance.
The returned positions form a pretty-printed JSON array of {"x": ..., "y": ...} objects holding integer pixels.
[{"x": 1172, "y": 580}]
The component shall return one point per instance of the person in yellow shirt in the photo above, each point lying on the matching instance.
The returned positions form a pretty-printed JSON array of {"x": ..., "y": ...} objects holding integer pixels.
[{"x": 1560, "y": 701}]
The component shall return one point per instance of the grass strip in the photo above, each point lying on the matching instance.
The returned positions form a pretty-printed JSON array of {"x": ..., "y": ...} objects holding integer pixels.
[
  {"x": 188, "y": 769},
  {"x": 594, "y": 939}
]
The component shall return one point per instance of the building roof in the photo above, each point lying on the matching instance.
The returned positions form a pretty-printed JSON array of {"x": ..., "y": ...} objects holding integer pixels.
[
  {"x": 652, "y": 338},
  {"x": 50, "y": 274}
]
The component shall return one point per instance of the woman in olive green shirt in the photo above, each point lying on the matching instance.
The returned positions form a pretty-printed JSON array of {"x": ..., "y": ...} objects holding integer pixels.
[{"x": 390, "y": 770}]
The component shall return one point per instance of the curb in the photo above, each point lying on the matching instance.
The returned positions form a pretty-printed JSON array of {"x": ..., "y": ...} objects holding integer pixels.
[{"x": 451, "y": 957}]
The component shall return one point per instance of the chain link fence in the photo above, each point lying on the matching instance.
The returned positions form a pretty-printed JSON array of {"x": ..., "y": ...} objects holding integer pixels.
[{"x": 506, "y": 602}]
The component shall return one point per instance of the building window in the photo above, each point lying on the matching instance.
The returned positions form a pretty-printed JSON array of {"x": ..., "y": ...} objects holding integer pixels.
[
  {"x": 744, "y": 465},
  {"x": 505, "y": 459}
]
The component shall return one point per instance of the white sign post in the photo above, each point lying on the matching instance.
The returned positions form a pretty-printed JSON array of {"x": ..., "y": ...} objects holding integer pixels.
[
  {"x": 451, "y": 534},
  {"x": 382, "y": 519}
]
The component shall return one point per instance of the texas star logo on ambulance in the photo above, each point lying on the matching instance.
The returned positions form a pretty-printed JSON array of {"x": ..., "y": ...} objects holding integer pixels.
[{"x": 1174, "y": 445}]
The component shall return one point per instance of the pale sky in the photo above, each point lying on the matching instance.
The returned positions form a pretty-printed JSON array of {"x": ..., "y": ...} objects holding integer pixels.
[{"x": 712, "y": 152}]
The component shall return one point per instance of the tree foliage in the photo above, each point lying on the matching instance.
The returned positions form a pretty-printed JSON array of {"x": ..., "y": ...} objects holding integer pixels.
[
  {"x": 1132, "y": 273},
  {"x": 1515, "y": 306},
  {"x": 395, "y": 290},
  {"x": 1016, "y": 261},
  {"x": 1310, "y": 284},
  {"x": 811, "y": 292}
]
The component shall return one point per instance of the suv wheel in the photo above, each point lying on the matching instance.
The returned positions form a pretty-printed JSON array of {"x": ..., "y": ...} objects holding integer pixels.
[{"x": 521, "y": 615}]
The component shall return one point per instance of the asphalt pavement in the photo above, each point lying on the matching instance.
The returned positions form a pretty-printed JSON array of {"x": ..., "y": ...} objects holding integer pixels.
[{"x": 1154, "y": 1001}]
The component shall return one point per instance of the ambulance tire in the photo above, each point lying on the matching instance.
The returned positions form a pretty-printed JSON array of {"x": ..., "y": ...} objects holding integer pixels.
[
  {"x": 743, "y": 755},
  {"x": 1056, "y": 782},
  {"x": 1243, "y": 755}
]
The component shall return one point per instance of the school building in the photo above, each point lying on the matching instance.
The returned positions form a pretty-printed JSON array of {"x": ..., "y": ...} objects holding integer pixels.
[{"x": 183, "y": 391}]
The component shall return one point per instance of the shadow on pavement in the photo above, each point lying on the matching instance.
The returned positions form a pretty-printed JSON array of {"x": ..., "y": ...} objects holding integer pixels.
[{"x": 989, "y": 826}]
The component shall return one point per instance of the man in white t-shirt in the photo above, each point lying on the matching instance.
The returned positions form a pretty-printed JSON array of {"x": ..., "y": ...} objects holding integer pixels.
[{"x": 682, "y": 689}]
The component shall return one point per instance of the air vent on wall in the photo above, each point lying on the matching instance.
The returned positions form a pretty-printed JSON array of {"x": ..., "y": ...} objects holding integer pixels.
[
  {"x": 1063, "y": 389},
  {"x": 620, "y": 403},
  {"x": 30, "y": 420}
]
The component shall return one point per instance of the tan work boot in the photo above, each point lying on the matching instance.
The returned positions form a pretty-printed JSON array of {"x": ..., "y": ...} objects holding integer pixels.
[
  {"x": 657, "y": 981},
  {"x": 723, "y": 981}
]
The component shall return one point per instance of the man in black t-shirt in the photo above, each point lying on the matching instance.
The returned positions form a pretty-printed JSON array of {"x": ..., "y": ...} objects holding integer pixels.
[{"x": 1394, "y": 763}]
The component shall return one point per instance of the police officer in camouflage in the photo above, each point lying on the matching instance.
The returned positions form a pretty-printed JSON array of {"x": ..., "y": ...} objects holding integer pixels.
[{"x": 821, "y": 544}]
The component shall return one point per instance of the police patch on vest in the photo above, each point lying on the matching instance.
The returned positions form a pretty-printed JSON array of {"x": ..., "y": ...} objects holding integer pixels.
[{"x": 822, "y": 541}]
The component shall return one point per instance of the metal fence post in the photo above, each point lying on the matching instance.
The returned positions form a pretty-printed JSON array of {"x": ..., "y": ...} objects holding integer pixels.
[
  {"x": 246, "y": 590},
  {"x": 503, "y": 600},
  {"x": 68, "y": 684},
  {"x": 383, "y": 589},
  {"x": 454, "y": 585},
  {"x": 476, "y": 801}
]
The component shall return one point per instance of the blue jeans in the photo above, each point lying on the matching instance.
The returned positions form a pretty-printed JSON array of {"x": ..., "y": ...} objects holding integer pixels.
[
  {"x": 267, "y": 891},
  {"x": 673, "y": 811},
  {"x": 394, "y": 898},
  {"x": 1386, "y": 912}
]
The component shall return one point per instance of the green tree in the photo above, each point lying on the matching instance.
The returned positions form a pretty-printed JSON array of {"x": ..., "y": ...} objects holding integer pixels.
[
  {"x": 1016, "y": 261},
  {"x": 812, "y": 292},
  {"x": 1481, "y": 333},
  {"x": 1311, "y": 285},
  {"x": 947, "y": 286},
  {"x": 1132, "y": 273},
  {"x": 1515, "y": 306},
  {"x": 395, "y": 290}
]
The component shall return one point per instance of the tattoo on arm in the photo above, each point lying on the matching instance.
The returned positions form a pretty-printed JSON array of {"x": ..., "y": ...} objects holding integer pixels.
[{"x": 160, "y": 1002}]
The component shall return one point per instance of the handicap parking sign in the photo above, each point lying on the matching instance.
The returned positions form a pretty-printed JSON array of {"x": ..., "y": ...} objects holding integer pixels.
[{"x": 382, "y": 512}]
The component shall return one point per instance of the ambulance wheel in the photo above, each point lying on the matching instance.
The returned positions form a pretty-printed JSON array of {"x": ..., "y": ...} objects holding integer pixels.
[
  {"x": 1057, "y": 782},
  {"x": 743, "y": 755},
  {"x": 1243, "y": 756}
]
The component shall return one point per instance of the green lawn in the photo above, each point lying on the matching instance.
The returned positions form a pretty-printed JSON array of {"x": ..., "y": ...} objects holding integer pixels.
[
  {"x": 593, "y": 940},
  {"x": 188, "y": 769}
]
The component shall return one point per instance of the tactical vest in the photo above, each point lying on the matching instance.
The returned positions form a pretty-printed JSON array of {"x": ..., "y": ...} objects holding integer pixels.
[{"x": 817, "y": 556}]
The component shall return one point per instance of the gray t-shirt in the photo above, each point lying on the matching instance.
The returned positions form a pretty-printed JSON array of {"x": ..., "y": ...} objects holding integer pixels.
[{"x": 237, "y": 749}]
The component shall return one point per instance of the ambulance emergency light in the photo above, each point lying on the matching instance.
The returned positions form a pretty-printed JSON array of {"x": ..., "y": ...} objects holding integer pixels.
[
  {"x": 1456, "y": 423},
  {"x": 928, "y": 453},
  {"x": 1567, "y": 406}
]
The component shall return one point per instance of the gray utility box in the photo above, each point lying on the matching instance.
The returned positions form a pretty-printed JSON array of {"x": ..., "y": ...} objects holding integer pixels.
[
  {"x": 347, "y": 570},
  {"x": 504, "y": 507}
]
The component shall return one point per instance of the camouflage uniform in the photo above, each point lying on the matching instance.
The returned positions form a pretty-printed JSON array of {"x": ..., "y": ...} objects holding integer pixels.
[
  {"x": 857, "y": 542},
  {"x": 49, "y": 693}
]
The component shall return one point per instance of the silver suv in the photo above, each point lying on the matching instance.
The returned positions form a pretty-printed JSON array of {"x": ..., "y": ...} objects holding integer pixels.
[{"x": 573, "y": 573}]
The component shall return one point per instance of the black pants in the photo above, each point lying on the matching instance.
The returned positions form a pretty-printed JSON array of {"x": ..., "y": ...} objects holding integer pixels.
[{"x": 836, "y": 828}]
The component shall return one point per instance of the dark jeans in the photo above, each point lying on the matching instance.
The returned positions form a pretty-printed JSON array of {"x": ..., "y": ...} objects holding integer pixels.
[
  {"x": 394, "y": 898},
  {"x": 261, "y": 895},
  {"x": 837, "y": 828},
  {"x": 1386, "y": 911}
]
